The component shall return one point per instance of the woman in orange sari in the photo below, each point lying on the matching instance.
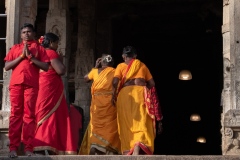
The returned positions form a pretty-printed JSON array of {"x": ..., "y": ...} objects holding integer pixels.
[
  {"x": 53, "y": 134},
  {"x": 136, "y": 110},
  {"x": 102, "y": 129}
]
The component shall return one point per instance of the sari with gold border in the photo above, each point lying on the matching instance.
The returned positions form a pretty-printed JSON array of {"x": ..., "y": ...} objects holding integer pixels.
[
  {"x": 102, "y": 131},
  {"x": 53, "y": 131}
]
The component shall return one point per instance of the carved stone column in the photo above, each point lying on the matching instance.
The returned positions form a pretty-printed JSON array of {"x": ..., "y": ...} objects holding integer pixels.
[
  {"x": 104, "y": 40},
  {"x": 28, "y": 11},
  {"x": 231, "y": 90},
  {"x": 58, "y": 22},
  {"x": 84, "y": 60}
]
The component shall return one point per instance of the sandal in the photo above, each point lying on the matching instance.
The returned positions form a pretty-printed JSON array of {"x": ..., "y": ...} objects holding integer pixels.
[{"x": 12, "y": 154}]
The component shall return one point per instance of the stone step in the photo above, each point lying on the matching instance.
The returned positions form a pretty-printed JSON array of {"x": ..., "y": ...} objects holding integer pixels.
[{"x": 121, "y": 157}]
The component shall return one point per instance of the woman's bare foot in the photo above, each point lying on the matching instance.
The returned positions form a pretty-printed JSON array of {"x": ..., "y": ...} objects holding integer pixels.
[
  {"x": 136, "y": 150},
  {"x": 29, "y": 153},
  {"x": 12, "y": 154}
]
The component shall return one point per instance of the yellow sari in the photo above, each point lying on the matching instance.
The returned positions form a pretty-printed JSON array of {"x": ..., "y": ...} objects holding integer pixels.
[
  {"x": 136, "y": 127},
  {"x": 103, "y": 116},
  {"x": 85, "y": 145}
]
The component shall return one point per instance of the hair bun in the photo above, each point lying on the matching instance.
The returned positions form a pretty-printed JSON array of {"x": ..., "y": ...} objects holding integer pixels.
[{"x": 129, "y": 50}]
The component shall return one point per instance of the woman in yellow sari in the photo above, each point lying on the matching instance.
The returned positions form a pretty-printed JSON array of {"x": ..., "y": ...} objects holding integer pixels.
[
  {"x": 102, "y": 129},
  {"x": 136, "y": 119}
]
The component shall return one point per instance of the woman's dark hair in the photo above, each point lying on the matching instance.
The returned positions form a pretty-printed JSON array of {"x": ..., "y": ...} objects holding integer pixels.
[
  {"x": 29, "y": 25},
  {"x": 48, "y": 38},
  {"x": 129, "y": 51}
]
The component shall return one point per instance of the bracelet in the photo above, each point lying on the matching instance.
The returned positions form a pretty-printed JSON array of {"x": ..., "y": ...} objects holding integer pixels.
[
  {"x": 30, "y": 56},
  {"x": 22, "y": 56}
]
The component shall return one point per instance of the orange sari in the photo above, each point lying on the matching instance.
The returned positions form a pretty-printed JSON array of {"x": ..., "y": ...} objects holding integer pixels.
[
  {"x": 102, "y": 130},
  {"x": 135, "y": 125},
  {"x": 52, "y": 116}
]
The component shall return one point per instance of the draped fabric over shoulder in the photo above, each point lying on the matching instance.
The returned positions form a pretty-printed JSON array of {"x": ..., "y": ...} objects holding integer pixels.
[
  {"x": 53, "y": 131},
  {"x": 136, "y": 127},
  {"x": 103, "y": 123}
]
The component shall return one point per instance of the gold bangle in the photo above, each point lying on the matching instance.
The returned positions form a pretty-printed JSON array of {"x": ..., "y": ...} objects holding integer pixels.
[{"x": 22, "y": 56}]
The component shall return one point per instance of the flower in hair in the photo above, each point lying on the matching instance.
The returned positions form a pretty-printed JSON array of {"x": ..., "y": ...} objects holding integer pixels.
[
  {"x": 41, "y": 39},
  {"x": 108, "y": 58}
]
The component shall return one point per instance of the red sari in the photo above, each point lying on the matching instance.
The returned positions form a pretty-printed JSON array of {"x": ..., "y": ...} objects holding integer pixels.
[{"x": 52, "y": 116}]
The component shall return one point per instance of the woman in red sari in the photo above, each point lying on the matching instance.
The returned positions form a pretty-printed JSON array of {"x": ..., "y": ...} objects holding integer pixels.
[{"x": 53, "y": 133}]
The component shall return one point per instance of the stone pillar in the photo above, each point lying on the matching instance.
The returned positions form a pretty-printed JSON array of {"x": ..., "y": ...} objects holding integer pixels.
[
  {"x": 84, "y": 60},
  {"x": 28, "y": 12},
  {"x": 231, "y": 90},
  {"x": 14, "y": 8},
  {"x": 58, "y": 22},
  {"x": 104, "y": 40}
]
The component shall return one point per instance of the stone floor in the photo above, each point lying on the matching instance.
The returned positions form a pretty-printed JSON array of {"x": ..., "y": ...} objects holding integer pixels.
[{"x": 153, "y": 157}]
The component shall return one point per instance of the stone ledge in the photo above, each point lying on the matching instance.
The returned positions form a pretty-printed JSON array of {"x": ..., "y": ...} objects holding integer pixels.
[{"x": 153, "y": 157}]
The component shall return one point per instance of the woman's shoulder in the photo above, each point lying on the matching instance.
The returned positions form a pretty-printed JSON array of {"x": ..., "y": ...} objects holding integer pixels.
[
  {"x": 111, "y": 69},
  {"x": 143, "y": 65},
  {"x": 50, "y": 51},
  {"x": 94, "y": 70},
  {"x": 122, "y": 64}
]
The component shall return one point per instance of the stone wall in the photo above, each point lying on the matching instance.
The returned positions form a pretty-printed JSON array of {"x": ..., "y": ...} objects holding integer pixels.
[{"x": 231, "y": 71}]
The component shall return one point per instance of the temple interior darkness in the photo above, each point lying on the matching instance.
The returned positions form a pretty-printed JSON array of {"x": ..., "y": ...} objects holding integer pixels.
[{"x": 171, "y": 35}]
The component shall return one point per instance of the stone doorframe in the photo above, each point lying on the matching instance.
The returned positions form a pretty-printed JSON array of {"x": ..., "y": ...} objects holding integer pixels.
[{"x": 230, "y": 118}]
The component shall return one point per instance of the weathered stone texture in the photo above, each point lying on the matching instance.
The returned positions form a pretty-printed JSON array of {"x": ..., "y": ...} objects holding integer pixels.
[
  {"x": 84, "y": 60},
  {"x": 58, "y": 23},
  {"x": 231, "y": 91},
  {"x": 28, "y": 11}
]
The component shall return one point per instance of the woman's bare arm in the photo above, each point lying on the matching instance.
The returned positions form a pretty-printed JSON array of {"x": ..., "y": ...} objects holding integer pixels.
[
  {"x": 150, "y": 83},
  {"x": 114, "y": 94},
  {"x": 58, "y": 66}
]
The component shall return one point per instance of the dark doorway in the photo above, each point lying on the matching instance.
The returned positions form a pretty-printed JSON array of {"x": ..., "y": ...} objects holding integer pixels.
[{"x": 171, "y": 36}]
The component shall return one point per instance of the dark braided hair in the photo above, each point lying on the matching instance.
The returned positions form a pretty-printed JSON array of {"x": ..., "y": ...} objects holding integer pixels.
[{"x": 48, "y": 38}]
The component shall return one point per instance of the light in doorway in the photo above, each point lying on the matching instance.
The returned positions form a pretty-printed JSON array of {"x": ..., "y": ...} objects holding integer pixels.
[
  {"x": 195, "y": 117},
  {"x": 185, "y": 75},
  {"x": 201, "y": 140}
]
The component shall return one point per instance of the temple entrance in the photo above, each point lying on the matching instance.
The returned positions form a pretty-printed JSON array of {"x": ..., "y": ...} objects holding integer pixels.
[
  {"x": 170, "y": 36},
  {"x": 167, "y": 42}
]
